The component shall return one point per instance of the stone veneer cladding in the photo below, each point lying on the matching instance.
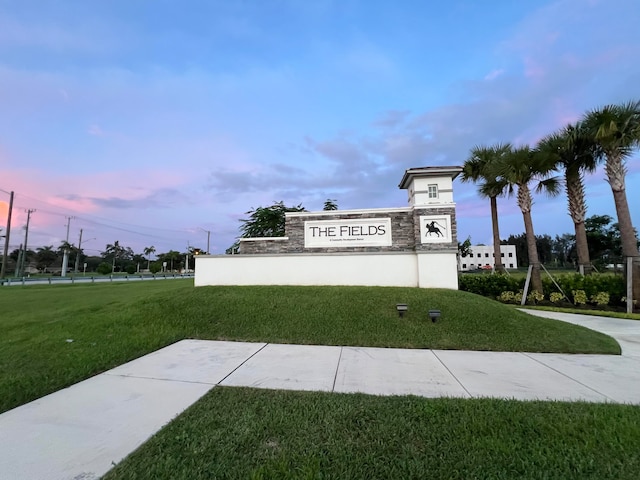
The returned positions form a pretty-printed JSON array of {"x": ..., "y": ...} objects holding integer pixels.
[{"x": 405, "y": 233}]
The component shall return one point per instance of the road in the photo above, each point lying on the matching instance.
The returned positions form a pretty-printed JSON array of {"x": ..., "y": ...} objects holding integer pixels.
[{"x": 9, "y": 282}]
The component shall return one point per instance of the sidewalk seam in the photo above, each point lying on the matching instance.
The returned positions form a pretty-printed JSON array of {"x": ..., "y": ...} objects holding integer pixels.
[
  {"x": 243, "y": 362},
  {"x": 335, "y": 376},
  {"x": 451, "y": 373},
  {"x": 567, "y": 376}
]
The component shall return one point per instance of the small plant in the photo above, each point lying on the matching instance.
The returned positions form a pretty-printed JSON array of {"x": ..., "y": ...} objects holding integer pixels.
[
  {"x": 600, "y": 299},
  {"x": 518, "y": 296},
  {"x": 507, "y": 297},
  {"x": 555, "y": 297},
  {"x": 624, "y": 300},
  {"x": 535, "y": 297},
  {"x": 579, "y": 297}
]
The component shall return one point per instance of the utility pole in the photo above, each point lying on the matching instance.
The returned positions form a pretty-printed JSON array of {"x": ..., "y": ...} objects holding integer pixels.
[
  {"x": 26, "y": 237},
  {"x": 6, "y": 239},
  {"x": 75, "y": 270},
  {"x": 65, "y": 256},
  {"x": 208, "y": 238}
]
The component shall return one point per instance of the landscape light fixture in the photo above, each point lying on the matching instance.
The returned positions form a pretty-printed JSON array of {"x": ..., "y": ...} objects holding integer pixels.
[
  {"x": 434, "y": 315},
  {"x": 402, "y": 309}
]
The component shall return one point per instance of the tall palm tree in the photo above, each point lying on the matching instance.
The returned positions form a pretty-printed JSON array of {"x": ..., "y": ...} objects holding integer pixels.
[
  {"x": 616, "y": 129},
  {"x": 518, "y": 169},
  {"x": 148, "y": 251},
  {"x": 576, "y": 152},
  {"x": 115, "y": 250},
  {"x": 477, "y": 169}
]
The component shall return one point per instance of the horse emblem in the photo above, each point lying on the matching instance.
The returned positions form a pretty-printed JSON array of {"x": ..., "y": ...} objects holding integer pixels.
[{"x": 432, "y": 228}]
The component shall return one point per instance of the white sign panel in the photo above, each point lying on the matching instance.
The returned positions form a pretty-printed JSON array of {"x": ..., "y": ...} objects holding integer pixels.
[
  {"x": 435, "y": 228},
  {"x": 361, "y": 232}
]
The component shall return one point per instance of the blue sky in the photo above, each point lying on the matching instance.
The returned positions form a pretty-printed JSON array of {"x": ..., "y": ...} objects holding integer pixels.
[{"x": 151, "y": 121}]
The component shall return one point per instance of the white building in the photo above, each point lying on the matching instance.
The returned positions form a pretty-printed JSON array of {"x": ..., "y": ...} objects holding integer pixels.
[{"x": 481, "y": 256}]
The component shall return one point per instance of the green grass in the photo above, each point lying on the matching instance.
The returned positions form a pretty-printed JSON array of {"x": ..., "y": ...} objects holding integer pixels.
[
  {"x": 54, "y": 336},
  {"x": 262, "y": 434}
]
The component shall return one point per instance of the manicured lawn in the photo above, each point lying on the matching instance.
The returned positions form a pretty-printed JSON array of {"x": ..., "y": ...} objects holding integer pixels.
[
  {"x": 262, "y": 434},
  {"x": 54, "y": 336}
]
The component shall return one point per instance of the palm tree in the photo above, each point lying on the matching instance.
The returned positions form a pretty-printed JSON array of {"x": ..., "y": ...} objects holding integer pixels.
[
  {"x": 45, "y": 256},
  {"x": 477, "y": 169},
  {"x": 114, "y": 250},
  {"x": 518, "y": 169},
  {"x": 616, "y": 129},
  {"x": 573, "y": 150},
  {"x": 148, "y": 251}
]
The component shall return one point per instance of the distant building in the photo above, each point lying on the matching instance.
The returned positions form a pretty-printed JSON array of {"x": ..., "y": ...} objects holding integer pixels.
[{"x": 481, "y": 256}]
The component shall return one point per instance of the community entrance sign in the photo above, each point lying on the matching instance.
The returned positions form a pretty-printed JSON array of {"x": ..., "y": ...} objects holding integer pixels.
[{"x": 415, "y": 245}]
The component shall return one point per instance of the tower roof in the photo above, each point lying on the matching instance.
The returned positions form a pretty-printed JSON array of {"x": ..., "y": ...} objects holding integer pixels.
[{"x": 420, "y": 172}]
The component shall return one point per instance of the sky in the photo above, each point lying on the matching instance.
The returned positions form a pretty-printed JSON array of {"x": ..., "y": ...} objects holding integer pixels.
[{"x": 155, "y": 122}]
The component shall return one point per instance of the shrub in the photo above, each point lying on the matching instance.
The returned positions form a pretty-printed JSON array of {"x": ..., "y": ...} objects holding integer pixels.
[
  {"x": 600, "y": 299},
  {"x": 155, "y": 267},
  {"x": 555, "y": 297},
  {"x": 590, "y": 284},
  {"x": 507, "y": 297},
  {"x": 489, "y": 285},
  {"x": 518, "y": 296},
  {"x": 131, "y": 269},
  {"x": 579, "y": 297},
  {"x": 535, "y": 297},
  {"x": 104, "y": 268}
]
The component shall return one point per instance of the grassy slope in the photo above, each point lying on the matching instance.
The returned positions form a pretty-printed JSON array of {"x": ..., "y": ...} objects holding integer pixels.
[
  {"x": 110, "y": 324},
  {"x": 261, "y": 434}
]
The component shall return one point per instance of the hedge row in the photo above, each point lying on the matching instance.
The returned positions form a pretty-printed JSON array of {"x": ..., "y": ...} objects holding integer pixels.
[{"x": 493, "y": 285}]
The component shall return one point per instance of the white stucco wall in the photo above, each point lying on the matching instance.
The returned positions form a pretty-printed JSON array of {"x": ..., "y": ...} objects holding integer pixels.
[{"x": 437, "y": 270}]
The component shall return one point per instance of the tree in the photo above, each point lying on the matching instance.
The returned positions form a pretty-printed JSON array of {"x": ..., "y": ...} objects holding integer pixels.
[
  {"x": 148, "y": 251},
  {"x": 45, "y": 256},
  {"x": 477, "y": 168},
  {"x": 564, "y": 249},
  {"x": 104, "y": 268},
  {"x": 330, "y": 204},
  {"x": 115, "y": 252},
  {"x": 267, "y": 221},
  {"x": 172, "y": 257},
  {"x": 605, "y": 239},
  {"x": 518, "y": 169},
  {"x": 616, "y": 130},
  {"x": 264, "y": 222},
  {"x": 576, "y": 152},
  {"x": 464, "y": 248}
]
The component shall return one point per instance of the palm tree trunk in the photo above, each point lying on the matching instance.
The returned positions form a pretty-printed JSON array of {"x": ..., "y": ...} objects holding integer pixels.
[
  {"x": 524, "y": 202},
  {"x": 628, "y": 237},
  {"x": 497, "y": 255},
  {"x": 582, "y": 248},
  {"x": 578, "y": 212},
  {"x": 536, "y": 279}
]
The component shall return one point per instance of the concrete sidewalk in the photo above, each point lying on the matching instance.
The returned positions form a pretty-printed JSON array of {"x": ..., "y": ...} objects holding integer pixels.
[{"x": 82, "y": 431}]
